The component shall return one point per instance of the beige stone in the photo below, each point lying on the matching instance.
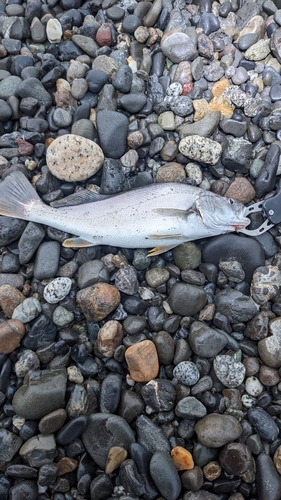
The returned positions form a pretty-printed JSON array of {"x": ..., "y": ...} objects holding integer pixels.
[
  {"x": 171, "y": 172},
  {"x": 10, "y": 298},
  {"x": 241, "y": 190},
  {"x": 110, "y": 336},
  {"x": 142, "y": 361},
  {"x": 73, "y": 158},
  {"x": 115, "y": 457},
  {"x": 221, "y": 104},
  {"x": 11, "y": 333},
  {"x": 219, "y": 87}
]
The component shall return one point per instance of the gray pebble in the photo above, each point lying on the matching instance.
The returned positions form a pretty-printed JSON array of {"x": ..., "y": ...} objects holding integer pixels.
[
  {"x": 9, "y": 445},
  {"x": 190, "y": 407},
  {"x": 47, "y": 260},
  {"x": 230, "y": 372},
  {"x": 205, "y": 341},
  {"x": 28, "y": 310},
  {"x": 165, "y": 475},
  {"x": 186, "y": 373}
]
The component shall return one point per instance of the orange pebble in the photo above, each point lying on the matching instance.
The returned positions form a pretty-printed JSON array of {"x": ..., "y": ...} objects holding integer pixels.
[{"x": 182, "y": 458}]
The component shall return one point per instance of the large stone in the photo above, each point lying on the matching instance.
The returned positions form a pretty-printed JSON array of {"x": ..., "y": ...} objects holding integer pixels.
[
  {"x": 103, "y": 432},
  {"x": 73, "y": 158},
  {"x": 200, "y": 149},
  {"x": 97, "y": 301},
  {"x": 43, "y": 392},
  {"x": 216, "y": 430}
]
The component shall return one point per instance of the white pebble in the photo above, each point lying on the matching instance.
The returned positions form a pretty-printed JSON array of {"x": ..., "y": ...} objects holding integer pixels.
[
  {"x": 145, "y": 293},
  {"x": 194, "y": 172},
  {"x": 57, "y": 290},
  {"x": 253, "y": 386},
  {"x": 54, "y": 31},
  {"x": 248, "y": 401}
]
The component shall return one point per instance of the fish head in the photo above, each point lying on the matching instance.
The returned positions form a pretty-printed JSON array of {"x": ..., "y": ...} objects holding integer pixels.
[{"x": 220, "y": 214}]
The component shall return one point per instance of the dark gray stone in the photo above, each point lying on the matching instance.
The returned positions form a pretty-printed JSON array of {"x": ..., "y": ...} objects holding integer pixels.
[
  {"x": 187, "y": 300},
  {"x": 112, "y": 130},
  {"x": 44, "y": 392},
  {"x": 32, "y": 87},
  {"x": 29, "y": 241},
  {"x": 268, "y": 479},
  {"x": 205, "y": 341},
  {"x": 150, "y": 436},
  {"x": 103, "y": 432},
  {"x": 10, "y": 230},
  {"x": 165, "y": 475},
  {"x": 267, "y": 177},
  {"x": 47, "y": 260},
  {"x": 263, "y": 424},
  {"x": 235, "y": 305}
]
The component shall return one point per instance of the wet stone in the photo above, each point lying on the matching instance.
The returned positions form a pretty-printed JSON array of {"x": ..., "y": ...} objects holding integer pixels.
[
  {"x": 98, "y": 300},
  {"x": 10, "y": 230},
  {"x": 165, "y": 347},
  {"x": 28, "y": 310},
  {"x": 110, "y": 393},
  {"x": 38, "y": 450},
  {"x": 263, "y": 424},
  {"x": 230, "y": 372},
  {"x": 52, "y": 422},
  {"x": 10, "y": 444},
  {"x": 237, "y": 155},
  {"x": 235, "y": 305},
  {"x": 217, "y": 430},
  {"x": 186, "y": 373},
  {"x": 150, "y": 436},
  {"x": 126, "y": 280},
  {"x": 159, "y": 395},
  {"x": 43, "y": 393},
  {"x": 235, "y": 458},
  {"x": 103, "y": 432},
  {"x": 265, "y": 284},
  {"x": 142, "y": 361},
  {"x": 205, "y": 341},
  {"x": 27, "y": 488},
  {"x": 29, "y": 241},
  {"x": 165, "y": 475},
  {"x": 11, "y": 333},
  {"x": 47, "y": 260},
  {"x": 190, "y": 407},
  {"x": 186, "y": 300},
  {"x": 200, "y": 149}
]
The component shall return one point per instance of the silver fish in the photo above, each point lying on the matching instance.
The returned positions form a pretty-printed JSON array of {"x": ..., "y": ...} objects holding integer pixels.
[{"x": 160, "y": 216}]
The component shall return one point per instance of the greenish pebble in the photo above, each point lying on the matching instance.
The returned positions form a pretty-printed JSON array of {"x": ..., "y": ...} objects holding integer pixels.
[
  {"x": 166, "y": 120},
  {"x": 187, "y": 255},
  {"x": 156, "y": 276},
  {"x": 141, "y": 261},
  {"x": 258, "y": 51},
  {"x": 256, "y": 167},
  {"x": 134, "y": 324},
  {"x": 62, "y": 316}
]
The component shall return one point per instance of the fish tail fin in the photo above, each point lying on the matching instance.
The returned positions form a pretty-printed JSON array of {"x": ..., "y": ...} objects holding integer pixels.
[{"x": 17, "y": 196}]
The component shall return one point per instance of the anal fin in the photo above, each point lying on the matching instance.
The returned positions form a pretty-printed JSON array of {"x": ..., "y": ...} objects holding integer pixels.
[
  {"x": 77, "y": 243},
  {"x": 157, "y": 250}
]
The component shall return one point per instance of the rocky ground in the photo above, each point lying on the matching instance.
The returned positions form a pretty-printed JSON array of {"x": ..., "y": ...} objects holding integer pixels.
[{"x": 123, "y": 376}]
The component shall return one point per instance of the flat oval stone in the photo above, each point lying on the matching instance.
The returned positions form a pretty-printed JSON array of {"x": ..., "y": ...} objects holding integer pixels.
[
  {"x": 268, "y": 479},
  {"x": 73, "y": 158},
  {"x": 164, "y": 474},
  {"x": 72, "y": 430},
  {"x": 200, "y": 149},
  {"x": 235, "y": 458},
  {"x": 217, "y": 430},
  {"x": 263, "y": 424},
  {"x": 103, "y": 432},
  {"x": 150, "y": 436},
  {"x": 57, "y": 290}
]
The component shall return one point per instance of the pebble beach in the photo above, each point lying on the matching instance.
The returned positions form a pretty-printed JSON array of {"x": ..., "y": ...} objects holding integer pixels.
[{"x": 125, "y": 376}]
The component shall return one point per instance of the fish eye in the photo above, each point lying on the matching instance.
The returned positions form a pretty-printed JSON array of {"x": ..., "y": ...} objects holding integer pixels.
[{"x": 231, "y": 201}]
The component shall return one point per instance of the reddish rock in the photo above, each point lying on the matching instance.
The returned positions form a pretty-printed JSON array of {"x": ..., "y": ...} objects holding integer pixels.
[
  {"x": 66, "y": 464},
  {"x": 11, "y": 333},
  {"x": 103, "y": 35},
  {"x": 25, "y": 148},
  {"x": 10, "y": 298},
  {"x": 142, "y": 361},
  {"x": 52, "y": 422},
  {"x": 97, "y": 301},
  {"x": 241, "y": 190}
]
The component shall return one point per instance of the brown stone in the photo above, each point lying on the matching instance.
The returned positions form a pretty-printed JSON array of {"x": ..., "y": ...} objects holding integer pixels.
[
  {"x": 212, "y": 470},
  {"x": 10, "y": 298},
  {"x": 221, "y": 104},
  {"x": 169, "y": 151},
  {"x": 277, "y": 459},
  {"x": 64, "y": 99},
  {"x": 171, "y": 172},
  {"x": 110, "y": 336},
  {"x": 25, "y": 148},
  {"x": 103, "y": 35},
  {"x": 135, "y": 139},
  {"x": 205, "y": 46},
  {"x": 255, "y": 25},
  {"x": 269, "y": 376},
  {"x": 97, "y": 301},
  {"x": 182, "y": 458},
  {"x": 183, "y": 73},
  {"x": 52, "y": 422},
  {"x": 241, "y": 190},
  {"x": 11, "y": 333},
  {"x": 193, "y": 479},
  {"x": 201, "y": 109},
  {"x": 142, "y": 361},
  {"x": 66, "y": 464},
  {"x": 252, "y": 366},
  {"x": 115, "y": 457},
  {"x": 219, "y": 87}
]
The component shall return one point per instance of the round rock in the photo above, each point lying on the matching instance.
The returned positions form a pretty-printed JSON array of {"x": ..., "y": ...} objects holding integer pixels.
[
  {"x": 97, "y": 301},
  {"x": 217, "y": 430},
  {"x": 164, "y": 474},
  {"x": 186, "y": 373},
  {"x": 73, "y": 158},
  {"x": 57, "y": 290},
  {"x": 230, "y": 372}
]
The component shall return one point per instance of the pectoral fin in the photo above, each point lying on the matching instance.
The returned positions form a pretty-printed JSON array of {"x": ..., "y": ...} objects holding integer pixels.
[
  {"x": 170, "y": 212},
  {"x": 165, "y": 236},
  {"x": 157, "y": 250},
  {"x": 76, "y": 243}
]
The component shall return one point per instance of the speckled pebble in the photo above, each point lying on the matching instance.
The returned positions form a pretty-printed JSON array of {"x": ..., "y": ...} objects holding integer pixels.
[
  {"x": 201, "y": 149},
  {"x": 57, "y": 290},
  {"x": 186, "y": 373},
  {"x": 74, "y": 158},
  {"x": 253, "y": 386},
  {"x": 230, "y": 372}
]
